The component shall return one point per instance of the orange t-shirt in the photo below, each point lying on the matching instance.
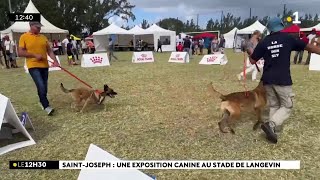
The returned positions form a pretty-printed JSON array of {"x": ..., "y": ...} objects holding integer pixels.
[{"x": 35, "y": 44}]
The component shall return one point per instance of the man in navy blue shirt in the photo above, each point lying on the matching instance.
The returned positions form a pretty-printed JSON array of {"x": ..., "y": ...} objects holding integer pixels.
[{"x": 276, "y": 49}]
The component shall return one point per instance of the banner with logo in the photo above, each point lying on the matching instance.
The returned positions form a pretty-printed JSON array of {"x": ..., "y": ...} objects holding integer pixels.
[
  {"x": 50, "y": 64},
  {"x": 314, "y": 62},
  {"x": 179, "y": 57},
  {"x": 8, "y": 115},
  {"x": 214, "y": 59},
  {"x": 142, "y": 57},
  {"x": 95, "y": 60}
]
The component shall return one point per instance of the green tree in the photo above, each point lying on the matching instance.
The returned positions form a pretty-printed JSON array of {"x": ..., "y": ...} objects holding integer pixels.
[
  {"x": 73, "y": 14},
  {"x": 210, "y": 25},
  {"x": 145, "y": 24},
  {"x": 172, "y": 24}
]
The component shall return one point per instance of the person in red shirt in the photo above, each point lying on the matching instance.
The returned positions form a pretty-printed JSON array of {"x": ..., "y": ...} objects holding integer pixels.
[
  {"x": 304, "y": 38},
  {"x": 180, "y": 47}
]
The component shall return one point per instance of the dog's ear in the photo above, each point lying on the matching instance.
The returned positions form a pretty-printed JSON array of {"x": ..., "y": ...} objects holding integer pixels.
[{"x": 106, "y": 87}]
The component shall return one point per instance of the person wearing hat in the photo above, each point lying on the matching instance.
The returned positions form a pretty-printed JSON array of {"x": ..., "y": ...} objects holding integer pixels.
[
  {"x": 299, "y": 54},
  {"x": 276, "y": 49},
  {"x": 310, "y": 37},
  {"x": 35, "y": 48}
]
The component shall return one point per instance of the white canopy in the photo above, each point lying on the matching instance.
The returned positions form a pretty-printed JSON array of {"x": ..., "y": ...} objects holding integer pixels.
[
  {"x": 101, "y": 37},
  {"x": 22, "y": 27},
  {"x": 317, "y": 27},
  {"x": 111, "y": 29},
  {"x": 136, "y": 30},
  {"x": 253, "y": 27},
  {"x": 229, "y": 37},
  {"x": 167, "y": 37}
]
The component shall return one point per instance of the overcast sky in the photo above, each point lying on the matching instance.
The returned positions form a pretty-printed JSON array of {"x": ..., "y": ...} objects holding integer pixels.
[{"x": 154, "y": 10}]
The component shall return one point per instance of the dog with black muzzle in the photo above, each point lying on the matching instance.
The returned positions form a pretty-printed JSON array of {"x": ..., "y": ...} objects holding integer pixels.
[{"x": 82, "y": 96}]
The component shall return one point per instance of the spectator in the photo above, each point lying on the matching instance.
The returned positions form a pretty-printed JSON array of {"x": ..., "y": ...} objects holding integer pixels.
[
  {"x": 196, "y": 47},
  {"x": 60, "y": 47},
  {"x": 187, "y": 45},
  {"x": 65, "y": 41},
  {"x": 214, "y": 45},
  {"x": 222, "y": 44},
  {"x": 55, "y": 47},
  {"x": 91, "y": 46},
  {"x": 74, "y": 48},
  {"x": 310, "y": 37},
  {"x": 180, "y": 47},
  {"x": 84, "y": 46},
  {"x": 10, "y": 49},
  {"x": 111, "y": 50},
  {"x": 299, "y": 54},
  {"x": 71, "y": 59},
  {"x": 159, "y": 45},
  {"x": 201, "y": 46},
  {"x": 2, "y": 53},
  {"x": 249, "y": 48}
]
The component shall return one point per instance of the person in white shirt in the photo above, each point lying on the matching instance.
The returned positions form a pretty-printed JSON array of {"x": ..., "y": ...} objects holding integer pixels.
[
  {"x": 65, "y": 42},
  {"x": 10, "y": 52},
  {"x": 60, "y": 47},
  {"x": 310, "y": 37},
  {"x": 74, "y": 48},
  {"x": 84, "y": 46}
]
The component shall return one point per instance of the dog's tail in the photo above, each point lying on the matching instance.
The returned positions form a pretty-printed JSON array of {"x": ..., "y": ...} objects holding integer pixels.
[
  {"x": 214, "y": 92},
  {"x": 64, "y": 89}
]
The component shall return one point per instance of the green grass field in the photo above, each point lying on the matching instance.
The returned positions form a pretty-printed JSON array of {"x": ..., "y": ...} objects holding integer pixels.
[{"x": 162, "y": 112}]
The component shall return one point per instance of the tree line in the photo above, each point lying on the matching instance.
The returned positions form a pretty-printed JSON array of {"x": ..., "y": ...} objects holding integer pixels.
[
  {"x": 229, "y": 21},
  {"x": 74, "y": 15}
]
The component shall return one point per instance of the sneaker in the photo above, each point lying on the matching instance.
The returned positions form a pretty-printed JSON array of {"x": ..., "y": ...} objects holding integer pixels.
[
  {"x": 239, "y": 77},
  {"x": 49, "y": 110},
  {"x": 271, "y": 135}
]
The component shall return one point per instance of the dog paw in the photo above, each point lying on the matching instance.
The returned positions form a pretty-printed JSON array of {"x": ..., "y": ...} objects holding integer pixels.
[{"x": 256, "y": 126}]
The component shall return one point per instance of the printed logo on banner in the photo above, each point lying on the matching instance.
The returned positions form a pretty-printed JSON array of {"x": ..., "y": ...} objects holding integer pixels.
[
  {"x": 211, "y": 59},
  {"x": 96, "y": 59},
  {"x": 144, "y": 57}
]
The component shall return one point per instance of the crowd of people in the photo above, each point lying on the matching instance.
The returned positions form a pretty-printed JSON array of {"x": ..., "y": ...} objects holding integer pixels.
[
  {"x": 197, "y": 46},
  {"x": 72, "y": 48},
  {"x": 8, "y": 53}
]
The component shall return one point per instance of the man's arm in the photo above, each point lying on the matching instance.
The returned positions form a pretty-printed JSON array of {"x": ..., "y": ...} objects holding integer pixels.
[
  {"x": 312, "y": 48},
  {"x": 23, "y": 53},
  {"x": 52, "y": 56},
  {"x": 257, "y": 54}
]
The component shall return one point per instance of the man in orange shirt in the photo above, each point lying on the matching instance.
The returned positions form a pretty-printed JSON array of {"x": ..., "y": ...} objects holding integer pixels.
[{"x": 34, "y": 46}]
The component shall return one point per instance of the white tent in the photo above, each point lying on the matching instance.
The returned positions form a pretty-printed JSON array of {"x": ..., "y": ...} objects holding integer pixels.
[
  {"x": 229, "y": 37},
  {"x": 167, "y": 37},
  {"x": 16, "y": 29},
  {"x": 137, "y": 30},
  {"x": 317, "y": 27},
  {"x": 253, "y": 27},
  {"x": 101, "y": 37},
  {"x": 139, "y": 33}
]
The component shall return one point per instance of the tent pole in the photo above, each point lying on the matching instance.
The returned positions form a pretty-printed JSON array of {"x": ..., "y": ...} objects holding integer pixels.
[{"x": 134, "y": 42}]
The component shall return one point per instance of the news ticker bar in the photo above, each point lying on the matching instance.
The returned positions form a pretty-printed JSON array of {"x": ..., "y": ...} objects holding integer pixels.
[{"x": 154, "y": 165}]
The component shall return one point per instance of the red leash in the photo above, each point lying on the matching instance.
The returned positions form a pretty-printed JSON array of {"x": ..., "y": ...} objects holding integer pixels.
[
  {"x": 68, "y": 72},
  {"x": 244, "y": 74}
]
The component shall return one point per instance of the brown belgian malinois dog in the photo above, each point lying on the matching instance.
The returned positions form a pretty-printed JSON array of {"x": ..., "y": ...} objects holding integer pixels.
[
  {"x": 82, "y": 96},
  {"x": 234, "y": 104}
]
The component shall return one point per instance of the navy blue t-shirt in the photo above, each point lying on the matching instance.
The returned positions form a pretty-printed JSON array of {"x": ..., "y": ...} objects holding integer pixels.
[{"x": 276, "y": 49}]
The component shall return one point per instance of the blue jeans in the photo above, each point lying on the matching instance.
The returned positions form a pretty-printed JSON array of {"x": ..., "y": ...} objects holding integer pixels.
[{"x": 40, "y": 78}]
